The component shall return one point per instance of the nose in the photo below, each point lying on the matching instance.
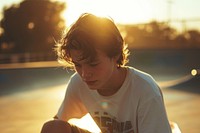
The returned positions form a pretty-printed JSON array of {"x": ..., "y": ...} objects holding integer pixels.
[{"x": 86, "y": 73}]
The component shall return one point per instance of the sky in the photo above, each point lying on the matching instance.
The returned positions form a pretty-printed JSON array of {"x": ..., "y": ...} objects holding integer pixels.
[{"x": 134, "y": 11}]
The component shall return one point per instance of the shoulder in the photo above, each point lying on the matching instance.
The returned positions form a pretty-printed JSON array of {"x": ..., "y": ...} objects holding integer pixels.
[
  {"x": 140, "y": 76},
  {"x": 75, "y": 78},
  {"x": 143, "y": 83},
  {"x": 75, "y": 82}
]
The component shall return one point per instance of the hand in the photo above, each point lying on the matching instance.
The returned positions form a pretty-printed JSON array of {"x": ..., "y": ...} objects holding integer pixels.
[{"x": 174, "y": 127}]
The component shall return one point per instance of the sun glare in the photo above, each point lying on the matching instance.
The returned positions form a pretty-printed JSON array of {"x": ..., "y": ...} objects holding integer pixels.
[
  {"x": 86, "y": 122},
  {"x": 122, "y": 11}
]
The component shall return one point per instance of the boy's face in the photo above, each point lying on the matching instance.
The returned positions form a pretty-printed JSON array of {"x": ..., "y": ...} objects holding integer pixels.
[{"x": 98, "y": 74}]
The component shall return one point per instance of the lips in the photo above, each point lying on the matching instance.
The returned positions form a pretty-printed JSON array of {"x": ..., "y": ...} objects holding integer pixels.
[{"x": 90, "y": 82}]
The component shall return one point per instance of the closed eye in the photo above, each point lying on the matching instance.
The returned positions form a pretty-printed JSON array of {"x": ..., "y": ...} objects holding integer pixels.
[{"x": 94, "y": 64}]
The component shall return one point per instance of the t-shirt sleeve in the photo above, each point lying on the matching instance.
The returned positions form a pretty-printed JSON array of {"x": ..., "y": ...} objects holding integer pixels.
[
  {"x": 72, "y": 106},
  {"x": 152, "y": 117}
]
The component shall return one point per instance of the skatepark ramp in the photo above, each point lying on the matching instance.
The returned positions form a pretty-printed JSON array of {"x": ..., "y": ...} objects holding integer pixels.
[{"x": 190, "y": 82}]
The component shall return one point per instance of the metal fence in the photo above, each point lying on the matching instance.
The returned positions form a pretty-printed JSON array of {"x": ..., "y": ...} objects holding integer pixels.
[{"x": 26, "y": 57}]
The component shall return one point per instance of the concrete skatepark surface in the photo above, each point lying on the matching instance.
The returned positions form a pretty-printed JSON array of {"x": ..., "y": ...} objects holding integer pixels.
[{"x": 29, "y": 97}]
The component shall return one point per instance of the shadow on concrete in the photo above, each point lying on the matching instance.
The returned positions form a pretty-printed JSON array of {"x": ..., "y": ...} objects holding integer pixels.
[{"x": 17, "y": 80}]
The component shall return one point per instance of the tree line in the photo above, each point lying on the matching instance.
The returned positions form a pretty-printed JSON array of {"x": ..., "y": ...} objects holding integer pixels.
[
  {"x": 31, "y": 26},
  {"x": 156, "y": 35}
]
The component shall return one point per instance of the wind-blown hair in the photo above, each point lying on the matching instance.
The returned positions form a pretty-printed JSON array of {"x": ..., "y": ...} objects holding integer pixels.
[{"x": 88, "y": 34}]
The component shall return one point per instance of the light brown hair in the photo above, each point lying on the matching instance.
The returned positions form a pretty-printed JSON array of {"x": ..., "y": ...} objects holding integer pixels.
[{"x": 89, "y": 33}]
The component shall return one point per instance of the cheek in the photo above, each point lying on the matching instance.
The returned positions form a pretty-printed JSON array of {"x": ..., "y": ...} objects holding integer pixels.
[{"x": 105, "y": 70}]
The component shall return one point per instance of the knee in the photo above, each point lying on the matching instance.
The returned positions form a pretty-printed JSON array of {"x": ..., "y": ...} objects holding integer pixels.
[{"x": 56, "y": 126}]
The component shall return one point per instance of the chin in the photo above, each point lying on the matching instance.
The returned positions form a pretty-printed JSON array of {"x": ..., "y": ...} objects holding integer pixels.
[{"x": 93, "y": 88}]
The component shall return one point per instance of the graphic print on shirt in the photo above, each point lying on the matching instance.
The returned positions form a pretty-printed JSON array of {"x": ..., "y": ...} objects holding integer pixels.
[{"x": 109, "y": 124}]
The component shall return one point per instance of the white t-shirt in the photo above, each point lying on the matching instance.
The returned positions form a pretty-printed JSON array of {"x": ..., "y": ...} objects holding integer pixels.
[{"x": 137, "y": 107}]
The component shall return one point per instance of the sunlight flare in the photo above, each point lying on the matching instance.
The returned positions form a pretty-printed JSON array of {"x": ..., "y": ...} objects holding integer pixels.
[
  {"x": 86, "y": 122},
  {"x": 122, "y": 11}
]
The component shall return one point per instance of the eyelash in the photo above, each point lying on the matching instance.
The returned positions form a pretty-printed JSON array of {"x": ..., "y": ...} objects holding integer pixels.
[{"x": 94, "y": 64}]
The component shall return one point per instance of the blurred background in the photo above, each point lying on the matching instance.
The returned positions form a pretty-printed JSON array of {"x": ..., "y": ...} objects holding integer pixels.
[{"x": 163, "y": 37}]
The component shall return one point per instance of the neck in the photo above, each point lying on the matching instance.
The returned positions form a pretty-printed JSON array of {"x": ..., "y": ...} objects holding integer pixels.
[{"x": 115, "y": 83}]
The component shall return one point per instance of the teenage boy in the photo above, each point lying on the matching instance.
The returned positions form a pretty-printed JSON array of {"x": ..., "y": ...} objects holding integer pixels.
[{"x": 121, "y": 99}]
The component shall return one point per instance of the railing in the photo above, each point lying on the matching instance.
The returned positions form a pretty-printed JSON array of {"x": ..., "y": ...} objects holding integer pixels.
[{"x": 26, "y": 57}]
